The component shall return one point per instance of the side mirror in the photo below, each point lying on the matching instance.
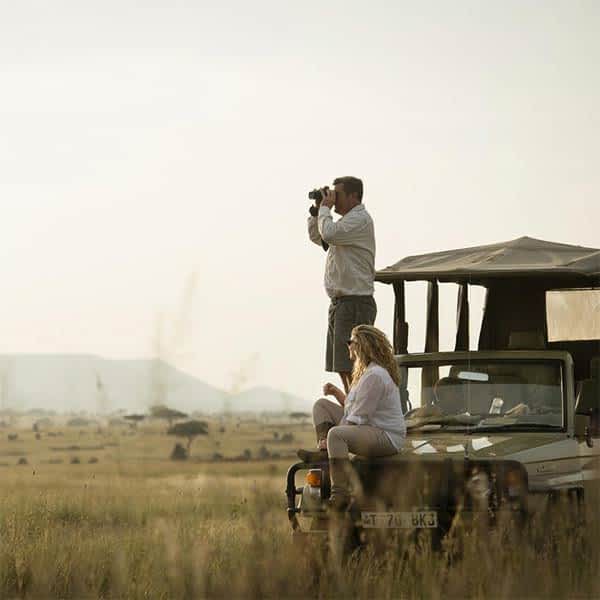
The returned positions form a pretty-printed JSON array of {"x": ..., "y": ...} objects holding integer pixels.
[
  {"x": 583, "y": 429},
  {"x": 587, "y": 408},
  {"x": 588, "y": 398}
]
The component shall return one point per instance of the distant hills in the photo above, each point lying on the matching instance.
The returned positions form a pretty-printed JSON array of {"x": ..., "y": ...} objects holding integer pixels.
[{"x": 82, "y": 382}]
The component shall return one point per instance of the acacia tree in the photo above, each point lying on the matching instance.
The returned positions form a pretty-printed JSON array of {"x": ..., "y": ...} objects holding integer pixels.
[
  {"x": 134, "y": 419},
  {"x": 189, "y": 430},
  {"x": 160, "y": 411},
  {"x": 299, "y": 416}
]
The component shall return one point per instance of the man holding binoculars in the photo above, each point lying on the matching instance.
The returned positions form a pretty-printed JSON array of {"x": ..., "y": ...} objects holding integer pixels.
[{"x": 349, "y": 267}]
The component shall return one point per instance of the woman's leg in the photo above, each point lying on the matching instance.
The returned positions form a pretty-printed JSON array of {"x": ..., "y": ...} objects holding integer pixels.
[
  {"x": 326, "y": 414},
  {"x": 358, "y": 439},
  {"x": 364, "y": 440}
]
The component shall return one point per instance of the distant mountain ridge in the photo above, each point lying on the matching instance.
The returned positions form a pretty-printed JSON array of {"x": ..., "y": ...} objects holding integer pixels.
[{"x": 85, "y": 382}]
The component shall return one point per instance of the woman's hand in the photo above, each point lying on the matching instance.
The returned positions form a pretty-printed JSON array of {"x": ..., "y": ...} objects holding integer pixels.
[
  {"x": 332, "y": 390},
  {"x": 322, "y": 445}
]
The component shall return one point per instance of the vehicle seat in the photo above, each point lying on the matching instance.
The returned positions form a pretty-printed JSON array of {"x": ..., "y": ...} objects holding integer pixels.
[
  {"x": 450, "y": 395},
  {"x": 456, "y": 396}
]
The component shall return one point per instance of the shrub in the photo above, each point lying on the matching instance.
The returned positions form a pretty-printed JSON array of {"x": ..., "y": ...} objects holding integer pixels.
[
  {"x": 22, "y": 461},
  {"x": 93, "y": 460},
  {"x": 75, "y": 460},
  {"x": 263, "y": 453},
  {"x": 287, "y": 438},
  {"x": 78, "y": 422},
  {"x": 179, "y": 452}
]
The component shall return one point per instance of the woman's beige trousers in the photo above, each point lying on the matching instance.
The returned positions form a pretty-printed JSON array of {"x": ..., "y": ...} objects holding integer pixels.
[{"x": 342, "y": 439}]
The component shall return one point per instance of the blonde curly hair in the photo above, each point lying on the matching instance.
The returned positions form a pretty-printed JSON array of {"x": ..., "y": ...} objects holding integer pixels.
[{"x": 372, "y": 345}]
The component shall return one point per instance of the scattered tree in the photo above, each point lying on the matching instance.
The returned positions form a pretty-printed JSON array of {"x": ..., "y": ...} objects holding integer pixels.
[
  {"x": 134, "y": 419},
  {"x": 189, "y": 430},
  {"x": 160, "y": 411},
  {"x": 299, "y": 416}
]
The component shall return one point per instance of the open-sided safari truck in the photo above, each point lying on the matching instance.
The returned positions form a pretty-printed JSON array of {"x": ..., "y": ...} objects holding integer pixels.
[{"x": 490, "y": 429}]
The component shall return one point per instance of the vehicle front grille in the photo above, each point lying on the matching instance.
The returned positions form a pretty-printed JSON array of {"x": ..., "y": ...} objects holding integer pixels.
[{"x": 436, "y": 484}]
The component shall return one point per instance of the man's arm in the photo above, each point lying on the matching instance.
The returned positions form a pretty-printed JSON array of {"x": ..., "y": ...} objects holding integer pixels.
[
  {"x": 344, "y": 231},
  {"x": 313, "y": 230}
]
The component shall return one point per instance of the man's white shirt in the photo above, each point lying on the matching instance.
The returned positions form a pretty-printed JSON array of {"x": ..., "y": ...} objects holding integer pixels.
[{"x": 350, "y": 264}]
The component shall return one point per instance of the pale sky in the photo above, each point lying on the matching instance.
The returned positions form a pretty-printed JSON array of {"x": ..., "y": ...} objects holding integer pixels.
[{"x": 151, "y": 148}]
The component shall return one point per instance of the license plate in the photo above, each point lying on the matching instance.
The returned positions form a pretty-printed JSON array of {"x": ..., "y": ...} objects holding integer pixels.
[{"x": 419, "y": 519}]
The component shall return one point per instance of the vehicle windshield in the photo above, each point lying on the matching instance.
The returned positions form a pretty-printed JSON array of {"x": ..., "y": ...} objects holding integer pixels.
[{"x": 484, "y": 395}]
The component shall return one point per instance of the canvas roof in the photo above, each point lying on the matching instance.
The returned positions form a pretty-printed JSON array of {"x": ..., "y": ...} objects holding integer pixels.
[{"x": 522, "y": 257}]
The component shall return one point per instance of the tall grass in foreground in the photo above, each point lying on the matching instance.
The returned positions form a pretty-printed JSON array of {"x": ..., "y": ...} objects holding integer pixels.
[{"x": 227, "y": 537}]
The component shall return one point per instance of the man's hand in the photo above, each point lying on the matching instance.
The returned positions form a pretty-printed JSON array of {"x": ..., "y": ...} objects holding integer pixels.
[{"x": 328, "y": 198}]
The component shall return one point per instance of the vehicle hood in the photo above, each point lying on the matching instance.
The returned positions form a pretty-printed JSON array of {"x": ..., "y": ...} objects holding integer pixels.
[{"x": 482, "y": 445}]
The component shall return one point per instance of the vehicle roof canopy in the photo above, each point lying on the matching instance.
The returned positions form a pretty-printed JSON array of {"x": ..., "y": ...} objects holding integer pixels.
[
  {"x": 517, "y": 275},
  {"x": 525, "y": 256}
]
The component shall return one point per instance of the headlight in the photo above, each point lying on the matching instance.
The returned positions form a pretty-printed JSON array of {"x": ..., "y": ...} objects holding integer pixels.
[
  {"x": 311, "y": 501},
  {"x": 313, "y": 478},
  {"x": 514, "y": 483}
]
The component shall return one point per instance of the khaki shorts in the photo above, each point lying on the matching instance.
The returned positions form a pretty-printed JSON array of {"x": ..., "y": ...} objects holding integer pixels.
[{"x": 345, "y": 313}]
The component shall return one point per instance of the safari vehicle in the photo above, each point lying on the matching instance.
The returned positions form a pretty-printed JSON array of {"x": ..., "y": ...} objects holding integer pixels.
[{"x": 493, "y": 429}]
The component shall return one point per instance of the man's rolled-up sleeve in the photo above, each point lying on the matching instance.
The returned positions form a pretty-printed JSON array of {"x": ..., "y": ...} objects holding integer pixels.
[
  {"x": 342, "y": 232},
  {"x": 366, "y": 400},
  {"x": 313, "y": 230}
]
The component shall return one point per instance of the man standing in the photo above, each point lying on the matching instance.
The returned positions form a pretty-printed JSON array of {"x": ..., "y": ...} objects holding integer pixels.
[{"x": 349, "y": 268}]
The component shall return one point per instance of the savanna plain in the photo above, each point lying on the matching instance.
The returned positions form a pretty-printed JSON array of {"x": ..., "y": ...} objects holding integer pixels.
[{"x": 101, "y": 511}]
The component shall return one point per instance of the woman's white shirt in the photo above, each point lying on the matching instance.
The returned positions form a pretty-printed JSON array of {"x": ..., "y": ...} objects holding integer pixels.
[{"x": 375, "y": 401}]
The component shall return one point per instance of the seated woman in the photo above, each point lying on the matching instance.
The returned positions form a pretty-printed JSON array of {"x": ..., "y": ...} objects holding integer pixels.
[{"x": 369, "y": 420}]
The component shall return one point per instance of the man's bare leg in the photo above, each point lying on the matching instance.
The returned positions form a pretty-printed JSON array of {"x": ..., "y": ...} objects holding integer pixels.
[{"x": 346, "y": 378}]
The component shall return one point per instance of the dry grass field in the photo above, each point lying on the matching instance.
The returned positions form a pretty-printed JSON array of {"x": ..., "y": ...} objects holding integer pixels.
[{"x": 135, "y": 524}]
